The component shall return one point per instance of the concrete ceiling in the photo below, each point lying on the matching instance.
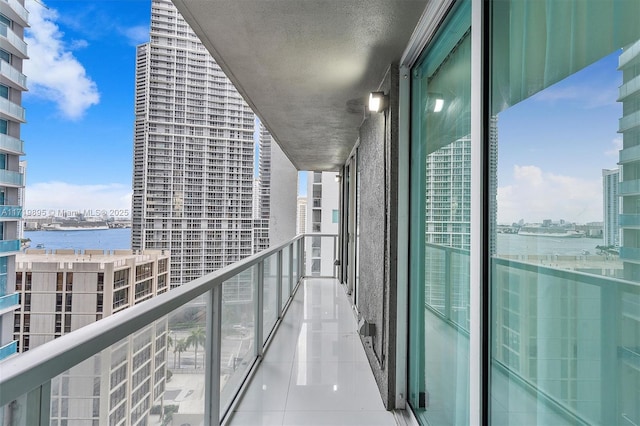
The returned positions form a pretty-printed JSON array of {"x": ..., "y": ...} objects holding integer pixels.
[{"x": 306, "y": 67}]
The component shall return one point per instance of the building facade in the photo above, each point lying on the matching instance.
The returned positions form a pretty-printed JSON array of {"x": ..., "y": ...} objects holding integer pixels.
[
  {"x": 62, "y": 291},
  {"x": 193, "y": 153},
  {"x": 13, "y": 51},
  {"x": 323, "y": 204},
  {"x": 610, "y": 204}
]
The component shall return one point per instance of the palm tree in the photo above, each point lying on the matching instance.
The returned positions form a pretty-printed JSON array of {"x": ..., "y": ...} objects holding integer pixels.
[
  {"x": 196, "y": 338},
  {"x": 180, "y": 346}
]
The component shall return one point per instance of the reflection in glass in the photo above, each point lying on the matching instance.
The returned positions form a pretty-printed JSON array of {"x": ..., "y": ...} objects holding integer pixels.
[
  {"x": 566, "y": 266},
  {"x": 441, "y": 208}
]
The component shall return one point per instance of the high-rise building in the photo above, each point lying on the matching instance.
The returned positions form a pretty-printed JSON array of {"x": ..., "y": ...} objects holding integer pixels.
[
  {"x": 63, "y": 291},
  {"x": 448, "y": 195},
  {"x": 610, "y": 203},
  {"x": 302, "y": 215},
  {"x": 13, "y": 51},
  {"x": 323, "y": 203},
  {"x": 629, "y": 191},
  {"x": 193, "y": 153}
]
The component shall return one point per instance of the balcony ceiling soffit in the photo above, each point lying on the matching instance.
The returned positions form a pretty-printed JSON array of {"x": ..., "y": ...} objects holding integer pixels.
[{"x": 306, "y": 66}]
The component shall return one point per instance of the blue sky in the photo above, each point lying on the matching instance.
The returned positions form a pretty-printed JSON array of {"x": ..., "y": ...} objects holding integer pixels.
[
  {"x": 78, "y": 136},
  {"x": 554, "y": 145}
]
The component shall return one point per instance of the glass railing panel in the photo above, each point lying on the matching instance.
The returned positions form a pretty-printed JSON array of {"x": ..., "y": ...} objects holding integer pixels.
[
  {"x": 8, "y": 301},
  {"x": 629, "y": 187},
  {"x": 9, "y": 246},
  {"x": 295, "y": 262},
  {"x": 238, "y": 347},
  {"x": 286, "y": 276},
  {"x": 572, "y": 337},
  {"x": 11, "y": 144},
  {"x": 13, "y": 74},
  {"x": 320, "y": 255},
  {"x": 9, "y": 177},
  {"x": 10, "y": 212},
  {"x": 8, "y": 350},
  {"x": 270, "y": 295},
  {"x": 630, "y": 154}
]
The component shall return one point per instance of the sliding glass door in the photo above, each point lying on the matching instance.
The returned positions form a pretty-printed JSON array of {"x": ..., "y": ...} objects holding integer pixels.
[{"x": 440, "y": 225}]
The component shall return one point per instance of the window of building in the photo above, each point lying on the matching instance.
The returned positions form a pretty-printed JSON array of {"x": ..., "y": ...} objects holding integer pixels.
[
  {"x": 335, "y": 216},
  {"x": 564, "y": 80}
]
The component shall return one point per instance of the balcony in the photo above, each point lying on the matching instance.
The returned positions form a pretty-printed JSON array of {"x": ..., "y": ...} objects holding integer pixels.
[
  {"x": 630, "y": 154},
  {"x": 629, "y": 187},
  {"x": 14, "y": 11},
  {"x": 630, "y": 254},
  {"x": 629, "y": 220},
  {"x": 11, "y": 76},
  {"x": 8, "y": 350},
  {"x": 9, "y": 246},
  {"x": 11, "y": 178},
  {"x": 10, "y": 144},
  {"x": 629, "y": 122},
  {"x": 10, "y": 212},
  {"x": 10, "y": 110},
  {"x": 258, "y": 321},
  {"x": 9, "y": 302},
  {"x": 11, "y": 42}
]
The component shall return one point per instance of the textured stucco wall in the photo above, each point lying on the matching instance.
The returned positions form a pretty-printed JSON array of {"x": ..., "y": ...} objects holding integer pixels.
[{"x": 378, "y": 159}]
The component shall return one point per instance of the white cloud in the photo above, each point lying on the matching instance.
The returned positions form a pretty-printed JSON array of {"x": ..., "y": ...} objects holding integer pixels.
[
  {"x": 54, "y": 73},
  {"x": 137, "y": 35},
  {"x": 616, "y": 146},
  {"x": 536, "y": 195},
  {"x": 62, "y": 196}
]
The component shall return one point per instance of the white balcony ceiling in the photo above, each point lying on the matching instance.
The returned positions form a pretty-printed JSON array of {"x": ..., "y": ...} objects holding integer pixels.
[{"x": 306, "y": 66}]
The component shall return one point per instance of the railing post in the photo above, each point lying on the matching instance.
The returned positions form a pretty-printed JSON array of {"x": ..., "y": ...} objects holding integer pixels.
[
  {"x": 290, "y": 270},
  {"x": 259, "y": 311},
  {"x": 212, "y": 372},
  {"x": 301, "y": 259},
  {"x": 279, "y": 284},
  {"x": 447, "y": 284},
  {"x": 335, "y": 256}
]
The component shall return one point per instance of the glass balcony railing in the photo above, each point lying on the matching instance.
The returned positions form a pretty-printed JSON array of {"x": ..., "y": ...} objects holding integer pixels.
[
  {"x": 13, "y": 74},
  {"x": 10, "y": 109},
  {"x": 11, "y": 144},
  {"x": 629, "y": 220},
  {"x": 180, "y": 357},
  {"x": 630, "y": 154},
  {"x": 15, "y": 11},
  {"x": 8, "y": 350},
  {"x": 630, "y": 254},
  {"x": 8, "y": 246},
  {"x": 629, "y": 187},
  {"x": 8, "y": 301},
  {"x": 10, "y": 212},
  {"x": 628, "y": 122},
  {"x": 629, "y": 88},
  {"x": 563, "y": 338},
  {"x": 11, "y": 178},
  {"x": 17, "y": 46}
]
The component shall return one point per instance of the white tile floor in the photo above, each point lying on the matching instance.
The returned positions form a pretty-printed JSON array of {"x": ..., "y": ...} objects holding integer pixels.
[{"x": 315, "y": 371}]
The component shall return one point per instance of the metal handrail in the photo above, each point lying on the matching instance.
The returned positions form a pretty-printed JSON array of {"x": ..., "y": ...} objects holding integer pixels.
[{"x": 24, "y": 373}]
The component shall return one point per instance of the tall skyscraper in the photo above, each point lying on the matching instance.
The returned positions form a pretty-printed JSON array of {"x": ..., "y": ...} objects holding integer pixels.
[
  {"x": 193, "y": 153},
  {"x": 448, "y": 195},
  {"x": 629, "y": 189},
  {"x": 610, "y": 203},
  {"x": 13, "y": 51}
]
